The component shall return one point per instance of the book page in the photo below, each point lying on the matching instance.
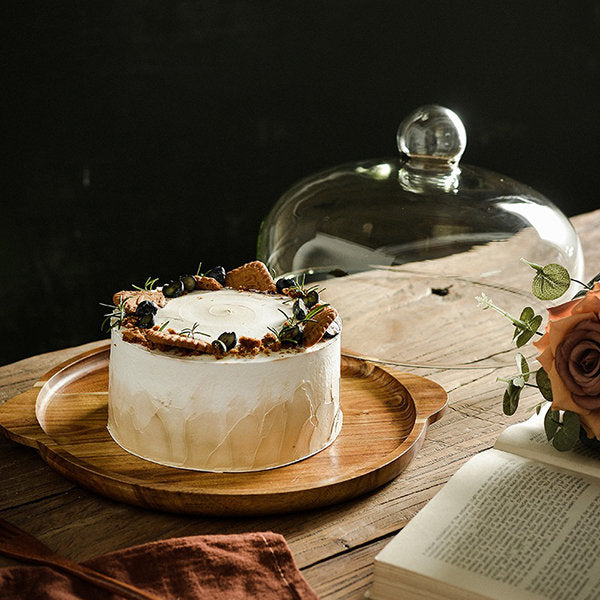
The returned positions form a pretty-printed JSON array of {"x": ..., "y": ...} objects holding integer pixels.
[
  {"x": 528, "y": 439},
  {"x": 505, "y": 527}
]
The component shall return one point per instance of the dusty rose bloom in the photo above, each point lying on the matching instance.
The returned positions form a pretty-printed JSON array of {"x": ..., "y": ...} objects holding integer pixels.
[{"x": 570, "y": 354}]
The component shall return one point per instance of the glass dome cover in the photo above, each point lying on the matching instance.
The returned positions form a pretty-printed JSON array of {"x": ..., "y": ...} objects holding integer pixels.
[{"x": 428, "y": 229}]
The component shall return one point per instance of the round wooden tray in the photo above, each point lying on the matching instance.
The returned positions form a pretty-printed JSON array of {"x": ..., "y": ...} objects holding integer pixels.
[{"x": 386, "y": 414}]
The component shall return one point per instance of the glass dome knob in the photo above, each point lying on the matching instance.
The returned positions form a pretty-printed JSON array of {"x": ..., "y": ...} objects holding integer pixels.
[{"x": 432, "y": 134}]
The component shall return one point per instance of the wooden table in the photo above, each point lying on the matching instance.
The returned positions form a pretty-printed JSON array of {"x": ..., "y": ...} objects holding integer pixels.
[{"x": 334, "y": 547}]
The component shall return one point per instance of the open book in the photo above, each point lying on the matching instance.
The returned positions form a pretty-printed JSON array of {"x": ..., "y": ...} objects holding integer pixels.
[{"x": 520, "y": 521}]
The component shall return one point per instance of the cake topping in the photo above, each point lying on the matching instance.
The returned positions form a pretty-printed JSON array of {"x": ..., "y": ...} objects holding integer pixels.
[
  {"x": 251, "y": 276},
  {"x": 228, "y": 339},
  {"x": 189, "y": 282},
  {"x": 130, "y": 299},
  {"x": 145, "y": 312},
  {"x": 311, "y": 297},
  {"x": 217, "y": 273},
  {"x": 203, "y": 282},
  {"x": 316, "y": 327},
  {"x": 173, "y": 289},
  {"x": 145, "y": 321},
  {"x": 224, "y": 343},
  {"x": 146, "y": 307},
  {"x": 334, "y": 329},
  {"x": 291, "y": 334},
  {"x": 192, "y": 331},
  {"x": 299, "y": 309},
  {"x": 284, "y": 283},
  {"x": 166, "y": 338},
  {"x": 246, "y": 305},
  {"x": 249, "y": 346}
]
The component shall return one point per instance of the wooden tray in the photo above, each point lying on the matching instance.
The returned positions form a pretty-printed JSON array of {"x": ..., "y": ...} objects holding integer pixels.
[{"x": 386, "y": 414}]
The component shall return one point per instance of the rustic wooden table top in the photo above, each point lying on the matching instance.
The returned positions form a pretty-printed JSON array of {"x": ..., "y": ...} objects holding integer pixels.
[{"x": 335, "y": 546}]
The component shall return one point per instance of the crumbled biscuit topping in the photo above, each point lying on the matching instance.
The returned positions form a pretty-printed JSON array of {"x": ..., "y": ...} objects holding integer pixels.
[{"x": 309, "y": 324}]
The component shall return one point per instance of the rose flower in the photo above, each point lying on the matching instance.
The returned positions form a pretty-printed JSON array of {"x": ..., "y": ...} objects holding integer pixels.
[{"x": 570, "y": 354}]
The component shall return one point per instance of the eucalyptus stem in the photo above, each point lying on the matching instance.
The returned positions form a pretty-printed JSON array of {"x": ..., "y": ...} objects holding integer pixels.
[
  {"x": 487, "y": 303},
  {"x": 587, "y": 286}
]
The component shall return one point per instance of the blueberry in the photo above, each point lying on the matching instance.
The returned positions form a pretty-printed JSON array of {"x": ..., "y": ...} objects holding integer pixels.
[
  {"x": 145, "y": 321},
  {"x": 189, "y": 283},
  {"x": 146, "y": 307},
  {"x": 311, "y": 298},
  {"x": 217, "y": 273},
  {"x": 285, "y": 282},
  {"x": 299, "y": 309},
  {"x": 173, "y": 289},
  {"x": 219, "y": 347},
  {"x": 334, "y": 329},
  {"x": 229, "y": 339},
  {"x": 291, "y": 333}
]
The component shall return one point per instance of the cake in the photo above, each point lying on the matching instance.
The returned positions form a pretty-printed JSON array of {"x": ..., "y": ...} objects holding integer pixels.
[{"x": 224, "y": 372}]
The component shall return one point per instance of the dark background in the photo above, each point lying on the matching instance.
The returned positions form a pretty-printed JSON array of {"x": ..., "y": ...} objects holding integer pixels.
[{"x": 142, "y": 137}]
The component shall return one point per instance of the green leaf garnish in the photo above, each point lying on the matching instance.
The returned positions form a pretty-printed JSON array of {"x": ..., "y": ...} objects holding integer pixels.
[
  {"x": 543, "y": 383},
  {"x": 511, "y": 398},
  {"x": 550, "y": 282},
  {"x": 564, "y": 432},
  {"x": 566, "y": 436},
  {"x": 525, "y": 317},
  {"x": 115, "y": 317},
  {"x": 192, "y": 331},
  {"x": 522, "y": 366},
  {"x": 525, "y": 327},
  {"x": 314, "y": 311},
  {"x": 551, "y": 423},
  {"x": 163, "y": 325},
  {"x": 531, "y": 329},
  {"x": 147, "y": 286}
]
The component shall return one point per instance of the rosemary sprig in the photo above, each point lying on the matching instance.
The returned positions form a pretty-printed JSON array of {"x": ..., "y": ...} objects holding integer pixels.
[
  {"x": 116, "y": 316},
  {"x": 147, "y": 286},
  {"x": 291, "y": 329},
  {"x": 192, "y": 331},
  {"x": 313, "y": 312}
]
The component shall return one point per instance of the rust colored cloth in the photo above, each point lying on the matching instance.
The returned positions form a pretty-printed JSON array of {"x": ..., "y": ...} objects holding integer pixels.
[{"x": 232, "y": 567}]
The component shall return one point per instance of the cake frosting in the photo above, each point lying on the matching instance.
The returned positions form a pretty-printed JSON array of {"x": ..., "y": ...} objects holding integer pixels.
[{"x": 224, "y": 412}]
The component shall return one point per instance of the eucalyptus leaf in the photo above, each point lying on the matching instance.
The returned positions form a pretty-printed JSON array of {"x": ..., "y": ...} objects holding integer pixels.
[
  {"x": 567, "y": 435},
  {"x": 551, "y": 423},
  {"x": 551, "y": 282},
  {"x": 527, "y": 314},
  {"x": 522, "y": 366},
  {"x": 524, "y": 337},
  {"x": 543, "y": 383},
  {"x": 527, "y": 334},
  {"x": 519, "y": 381},
  {"x": 511, "y": 399},
  {"x": 535, "y": 323}
]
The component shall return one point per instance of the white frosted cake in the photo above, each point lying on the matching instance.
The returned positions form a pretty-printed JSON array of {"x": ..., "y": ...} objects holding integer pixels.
[{"x": 181, "y": 397}]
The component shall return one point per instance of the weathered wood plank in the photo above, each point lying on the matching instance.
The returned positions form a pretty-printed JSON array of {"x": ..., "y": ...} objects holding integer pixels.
[{"x": 348, "y": 576}]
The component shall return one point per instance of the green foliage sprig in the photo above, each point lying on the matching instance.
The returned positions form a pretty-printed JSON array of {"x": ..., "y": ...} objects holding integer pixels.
[
  {"x": 526, "y": 326},
  {"x": 291, "y": 330},
  {"x": 149, "y": 285},
  {"x": 116, "y": 316},
  {"x": 549, "y": 283},
  {"x": 301, "y": 290},
  {"x": 192, "y": 331}
]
